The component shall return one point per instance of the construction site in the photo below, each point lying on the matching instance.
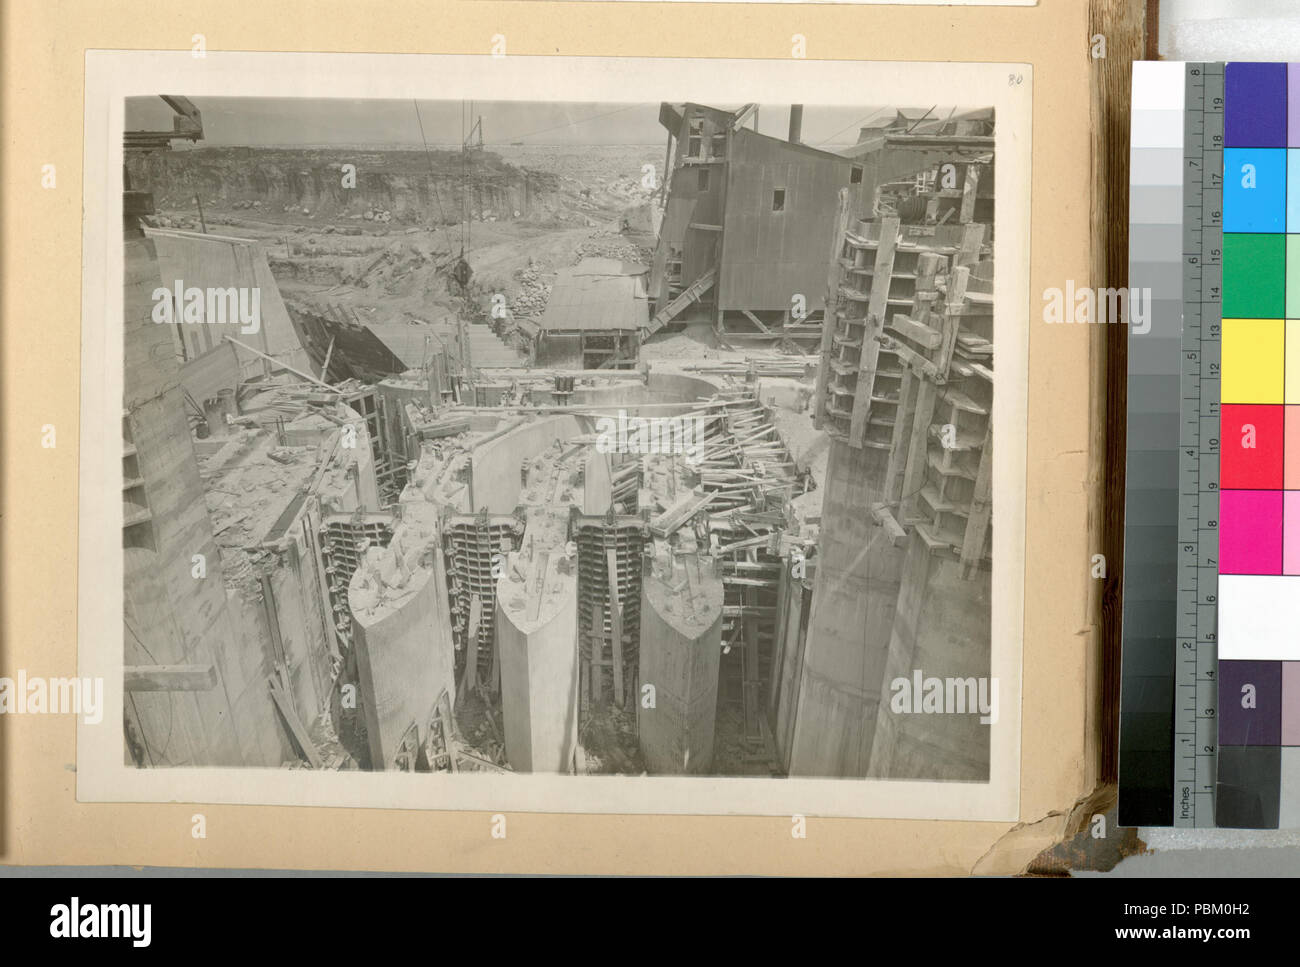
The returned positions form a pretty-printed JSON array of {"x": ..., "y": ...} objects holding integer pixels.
[{"x": 471, "y": 455}]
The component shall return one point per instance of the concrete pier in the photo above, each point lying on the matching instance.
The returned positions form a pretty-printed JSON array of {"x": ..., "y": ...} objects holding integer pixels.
[
  {"x": 537, "y": 631},
  {"x": 681, "y": 644}
]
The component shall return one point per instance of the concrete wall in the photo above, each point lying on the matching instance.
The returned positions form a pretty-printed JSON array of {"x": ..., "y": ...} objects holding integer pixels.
[
  {"x": 539, "y": 680},
  {"x": 394, "y": 398},
  {"x": 935, "y": 634},
  {"x": 597, "y": 485},
  {"x": 854, "y": 597},
  {"x": 658, "y": 388},
  {"x": 349, "y": 481},
  {"x": 676, "y": 736},
  {"x": 404, "y": 662},
  {"x": 263, "y": 739},
  {"x": 496, "y": 480},
  {"x": 298, "y": 599},
  {"x": 218, "y": 261},
  {"x": 794, "y": 604},
  {"x": 172, "y": 617},
  {"x": 299, "y": 642}
]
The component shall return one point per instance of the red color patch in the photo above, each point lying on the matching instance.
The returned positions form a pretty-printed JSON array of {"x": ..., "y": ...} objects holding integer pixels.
[{"x": 1243, "y": 466}]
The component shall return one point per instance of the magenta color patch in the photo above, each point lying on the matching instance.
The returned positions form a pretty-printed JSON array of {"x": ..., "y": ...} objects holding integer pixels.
[
  {"x": 1250, "y": 532},
  {"x": 1291, "y": 533}
]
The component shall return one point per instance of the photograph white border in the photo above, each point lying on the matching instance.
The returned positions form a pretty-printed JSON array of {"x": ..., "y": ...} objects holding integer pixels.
[{"x": 112, "y": 76}]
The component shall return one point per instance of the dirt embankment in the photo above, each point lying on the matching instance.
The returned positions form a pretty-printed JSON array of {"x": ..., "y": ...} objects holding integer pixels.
[
  {"x": 386, "y": 248},
  {"x": 412, "y": 188}
]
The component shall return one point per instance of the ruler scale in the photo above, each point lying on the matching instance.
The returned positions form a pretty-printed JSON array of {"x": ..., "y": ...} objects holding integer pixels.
[
  {"x": 1195, "y": 671},
  {"x": 1155, "y": 351},
  {"x": 1168, "y": 733}
]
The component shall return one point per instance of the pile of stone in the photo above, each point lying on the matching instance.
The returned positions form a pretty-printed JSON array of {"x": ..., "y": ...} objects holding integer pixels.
[
  {"x": 185, "y": 222},
  {"x": 608, "y": 245},
  {"x": 534, "y": 291}
]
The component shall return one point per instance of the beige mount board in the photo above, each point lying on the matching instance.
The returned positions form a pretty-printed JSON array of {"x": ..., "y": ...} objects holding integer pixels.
[{"x": 43, "y": 822}]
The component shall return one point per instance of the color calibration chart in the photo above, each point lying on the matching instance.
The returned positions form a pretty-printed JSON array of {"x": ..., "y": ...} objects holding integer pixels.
[
  {"x": 1259, "y": 515},
  {"x": 1168, "y": 728},
  {"x": 1210, "y": 683}
]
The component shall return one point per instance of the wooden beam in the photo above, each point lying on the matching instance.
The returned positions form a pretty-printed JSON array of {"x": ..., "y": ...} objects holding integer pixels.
[
  {"x": 918, "y": 332},
  {"x": 325, "y": 366},
  {"x": 981, "y": 510},
  {"x": 741, "y": 116},
  {"x": 679, "y": 513},
  {"x": 918, "y": 448},
  {"x": 296, "y": 728},
  {"x": 877, "y": 305},
  {"x": 883, "y": 516},
  {"x": 469, "y": 678},
  {"x": 1130, "y": 29},
  {"x": 282, "y": 365},
  {"x": 832, "y": 300},
  {"x": 169, "y": 678},
  {"x": 594, "y": 678},
  {"x": 969, "y": 191},
  {"x": 668, "y": 171},
  {"x": 952, "y": 318},
  {"x": 972, "y": 243},
  {"x": 900, "y": 444}
]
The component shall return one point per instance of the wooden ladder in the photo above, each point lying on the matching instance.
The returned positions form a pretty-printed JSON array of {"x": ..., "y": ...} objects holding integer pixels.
[{"x": 690, "y": 294}]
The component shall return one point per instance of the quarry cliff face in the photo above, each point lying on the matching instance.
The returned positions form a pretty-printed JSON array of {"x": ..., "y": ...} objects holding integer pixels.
[{"x": 409, "y": 185}]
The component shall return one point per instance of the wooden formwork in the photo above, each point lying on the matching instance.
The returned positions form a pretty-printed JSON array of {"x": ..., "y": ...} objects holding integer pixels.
[
  {"x": 907, "y": 365},
  {"x": 610, "y": 548}
]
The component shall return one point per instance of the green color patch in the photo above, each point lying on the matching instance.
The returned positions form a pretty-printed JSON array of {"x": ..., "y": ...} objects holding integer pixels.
[
  {"x": 1254, "y": 276},
  {"x": 1293, "y": 276}
]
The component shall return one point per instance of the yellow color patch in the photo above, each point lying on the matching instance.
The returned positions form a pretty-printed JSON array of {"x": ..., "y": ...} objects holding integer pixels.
[
  {"x": 1253, "y": 355},
  {"x": 1293, "y": 361}
]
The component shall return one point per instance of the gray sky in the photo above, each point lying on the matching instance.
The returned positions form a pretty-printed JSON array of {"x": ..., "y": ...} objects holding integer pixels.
[{"x": 296, "y": 121}]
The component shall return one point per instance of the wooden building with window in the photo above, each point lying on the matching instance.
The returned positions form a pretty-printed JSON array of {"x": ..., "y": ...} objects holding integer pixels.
[
  {"x": 747, "y": 227},
  {"x": 749, "y": 220}
]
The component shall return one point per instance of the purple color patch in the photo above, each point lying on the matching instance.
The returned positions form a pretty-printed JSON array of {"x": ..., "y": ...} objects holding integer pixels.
[
  {"x": 1293, "y": 105},
  {"x": 1291, "y": 703},
  {"x": 1250, "y": 703},
  {"x": 1255, "y": 109}
]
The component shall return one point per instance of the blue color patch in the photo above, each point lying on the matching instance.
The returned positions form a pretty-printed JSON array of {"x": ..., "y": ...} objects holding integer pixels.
[{"x": 1254, "y": 190}]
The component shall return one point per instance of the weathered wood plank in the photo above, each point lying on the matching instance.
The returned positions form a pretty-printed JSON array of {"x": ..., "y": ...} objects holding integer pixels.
[
  {"x": 878, "y": 302},
  {"x": 832, "y": 300},
  {"x": 169, "y": 678},
  {"x": 298, "y": 730}
]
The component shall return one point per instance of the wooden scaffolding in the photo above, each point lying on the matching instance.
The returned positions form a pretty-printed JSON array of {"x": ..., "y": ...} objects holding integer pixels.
[{"x": 907, "y": 365}]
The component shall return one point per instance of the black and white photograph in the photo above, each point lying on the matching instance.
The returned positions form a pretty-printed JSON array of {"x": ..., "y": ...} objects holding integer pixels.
[{"x": 486, "y": 443}]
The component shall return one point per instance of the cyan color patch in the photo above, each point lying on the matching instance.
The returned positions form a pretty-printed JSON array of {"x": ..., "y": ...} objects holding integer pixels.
[{"x": 1254, "y": 189}]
